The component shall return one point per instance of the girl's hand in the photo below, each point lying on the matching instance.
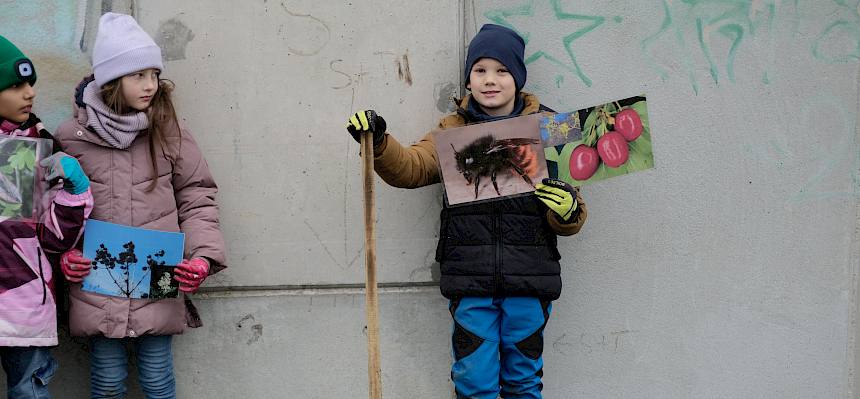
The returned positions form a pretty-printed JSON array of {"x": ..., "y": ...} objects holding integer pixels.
[
  {"x": 191, "y": 273},
  {"x": 74, "y": 266}
]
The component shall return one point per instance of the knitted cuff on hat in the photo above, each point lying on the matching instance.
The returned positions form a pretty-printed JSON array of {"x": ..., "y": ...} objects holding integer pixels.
[
  {"x": 122, "y": 47},
  {"x": 122, "y": 64},
  {"x": 15, "y": 67}
]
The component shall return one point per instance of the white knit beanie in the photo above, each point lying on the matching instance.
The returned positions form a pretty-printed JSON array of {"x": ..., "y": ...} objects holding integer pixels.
[{"x": 122, "y": 47}]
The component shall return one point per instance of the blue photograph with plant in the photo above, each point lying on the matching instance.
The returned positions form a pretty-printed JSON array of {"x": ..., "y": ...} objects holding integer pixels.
[{"x": 131, "y": 262}]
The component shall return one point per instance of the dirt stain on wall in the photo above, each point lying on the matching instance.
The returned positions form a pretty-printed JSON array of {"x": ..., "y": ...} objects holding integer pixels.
[
  {"x": 173, "y": 37},
  {"x": 403, "y": 72}
]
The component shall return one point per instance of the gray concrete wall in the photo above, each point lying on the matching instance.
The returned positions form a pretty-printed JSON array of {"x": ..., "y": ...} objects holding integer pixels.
[{"x": 727, "y": 271}]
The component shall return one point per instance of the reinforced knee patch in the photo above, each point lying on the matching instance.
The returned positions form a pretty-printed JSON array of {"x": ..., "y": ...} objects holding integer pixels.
[
  {"x": 532, "y": 346},
  {"x": 464, "y": 342}
]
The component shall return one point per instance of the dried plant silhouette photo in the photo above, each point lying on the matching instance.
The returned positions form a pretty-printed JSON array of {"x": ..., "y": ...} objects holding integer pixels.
[
  {"x": 131, "y": 262},
  {"x": 119, "y": 269}
]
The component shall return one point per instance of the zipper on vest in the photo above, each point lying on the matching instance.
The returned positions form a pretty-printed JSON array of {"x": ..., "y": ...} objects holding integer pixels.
[{"x": 497, "y": 265}]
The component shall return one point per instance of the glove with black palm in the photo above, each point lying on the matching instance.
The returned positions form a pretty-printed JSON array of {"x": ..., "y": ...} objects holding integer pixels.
[
  {"x": 558, "y": 196},
  {"x": 367, "y": 122}
]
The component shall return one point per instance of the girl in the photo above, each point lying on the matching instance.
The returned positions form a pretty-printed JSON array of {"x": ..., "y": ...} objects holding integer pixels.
[
  {"x": 28, "y": 313},
  {"x": 146, "y": 171}
]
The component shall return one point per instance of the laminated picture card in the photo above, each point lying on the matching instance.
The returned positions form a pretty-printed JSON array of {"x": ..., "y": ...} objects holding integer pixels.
[
  {"x": 492, "y": 160},
  {"x": 22, "y": 184},
  {"x": 131, "y": 262},
  {"x": 598, "y": 143}
]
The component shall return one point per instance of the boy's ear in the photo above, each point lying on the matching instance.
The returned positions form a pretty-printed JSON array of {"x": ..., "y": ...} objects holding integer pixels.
[{"x": 468, "y": 85}]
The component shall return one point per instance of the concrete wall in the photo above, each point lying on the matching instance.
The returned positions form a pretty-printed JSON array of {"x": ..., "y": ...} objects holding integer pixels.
[{"x": 727, "y": 271}]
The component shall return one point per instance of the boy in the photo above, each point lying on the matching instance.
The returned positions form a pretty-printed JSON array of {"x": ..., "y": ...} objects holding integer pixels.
[
  {"x": 28, "y": 314},
  {"x": 499, "y": 260}
]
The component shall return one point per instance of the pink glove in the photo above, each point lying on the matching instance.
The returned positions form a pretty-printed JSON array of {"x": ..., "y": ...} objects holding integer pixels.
[
  {"x": 191, "y": 273},
  {"x": 74, "y": 266}
]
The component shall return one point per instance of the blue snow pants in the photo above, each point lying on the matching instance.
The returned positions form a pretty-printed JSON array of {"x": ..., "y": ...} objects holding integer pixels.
[{"x": 498, "y": 343}]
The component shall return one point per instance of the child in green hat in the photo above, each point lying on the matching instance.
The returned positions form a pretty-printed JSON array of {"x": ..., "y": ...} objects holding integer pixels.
[{"x": 28, "y": 314}]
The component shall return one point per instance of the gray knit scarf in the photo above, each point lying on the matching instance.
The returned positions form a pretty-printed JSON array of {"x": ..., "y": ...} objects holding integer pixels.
[{"x": 118, "y": 130}]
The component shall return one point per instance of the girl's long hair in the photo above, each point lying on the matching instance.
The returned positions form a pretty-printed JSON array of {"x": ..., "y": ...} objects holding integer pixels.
[{"x": 161, "y": 114}]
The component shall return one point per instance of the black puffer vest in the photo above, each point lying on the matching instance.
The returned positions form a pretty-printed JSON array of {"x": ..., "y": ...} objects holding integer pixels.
[{"x": 500, "y": 248}]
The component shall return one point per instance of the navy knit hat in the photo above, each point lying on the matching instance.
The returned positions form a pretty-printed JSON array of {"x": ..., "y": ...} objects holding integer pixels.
[{"x": 503, "y": 45}]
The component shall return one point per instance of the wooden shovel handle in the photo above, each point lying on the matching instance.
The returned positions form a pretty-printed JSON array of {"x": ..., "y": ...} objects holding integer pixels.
[{"x": 371, "y": 298}]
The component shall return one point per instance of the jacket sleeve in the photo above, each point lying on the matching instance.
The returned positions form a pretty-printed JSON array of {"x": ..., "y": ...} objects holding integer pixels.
[
  {"x": 407, "y": 167},
  {"x": 195, "y": 189},
  {"x": 63, "y": 220},
  {"x": 575, "y": 223}
]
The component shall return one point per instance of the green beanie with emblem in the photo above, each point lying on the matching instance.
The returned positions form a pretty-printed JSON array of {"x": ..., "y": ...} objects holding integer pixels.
[{"x": 15, "y": 67}]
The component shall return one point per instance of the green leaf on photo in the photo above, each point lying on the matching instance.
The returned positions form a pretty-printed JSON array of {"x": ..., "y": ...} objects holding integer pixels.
[
  {"x": 10, "y": 209},
  {"x": 23, "y": 159}
]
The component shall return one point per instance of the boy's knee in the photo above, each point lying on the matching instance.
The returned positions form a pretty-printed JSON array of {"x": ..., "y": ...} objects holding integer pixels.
[
  {"x": 532, "y": 346},
  {"x": 464, "y": 341}
]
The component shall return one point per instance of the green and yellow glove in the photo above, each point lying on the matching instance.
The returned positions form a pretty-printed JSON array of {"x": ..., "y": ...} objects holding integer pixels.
[
  {"x": 558, "y": 196},
  {"x": 367, "y": 121}
]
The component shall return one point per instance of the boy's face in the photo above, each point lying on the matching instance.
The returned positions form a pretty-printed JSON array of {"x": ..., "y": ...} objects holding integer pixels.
[
  {"x": 138, "y": 88},
  {"x": 492, "y": 86},
  {"x": 16, "y": 102}
]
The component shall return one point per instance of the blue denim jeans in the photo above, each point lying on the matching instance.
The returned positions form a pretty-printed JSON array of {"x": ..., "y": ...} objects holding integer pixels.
[
  {"x": 109, "y": 366},
  {"x": 28, "y": 371}
]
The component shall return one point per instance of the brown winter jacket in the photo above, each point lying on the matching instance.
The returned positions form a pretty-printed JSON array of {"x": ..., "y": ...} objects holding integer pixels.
[
  {"x": 417, "y": 166},
  {"x": 183, "y": 200}
]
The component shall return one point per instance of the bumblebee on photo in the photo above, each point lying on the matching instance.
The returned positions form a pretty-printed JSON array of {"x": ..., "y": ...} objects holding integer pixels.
[{"x": 489, "y": 157}]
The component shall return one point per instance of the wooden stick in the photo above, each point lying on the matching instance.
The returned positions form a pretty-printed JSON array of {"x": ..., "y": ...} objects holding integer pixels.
[{"x": 374, "y": 369}]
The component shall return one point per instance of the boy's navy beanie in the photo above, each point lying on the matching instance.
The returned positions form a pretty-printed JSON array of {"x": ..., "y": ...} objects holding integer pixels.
[{"x": 501, "y": 44}]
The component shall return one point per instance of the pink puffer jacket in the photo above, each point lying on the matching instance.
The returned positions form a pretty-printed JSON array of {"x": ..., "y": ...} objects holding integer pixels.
[
  {"x": 183, "y": 200},
  {"x": 28, "y": 311}
]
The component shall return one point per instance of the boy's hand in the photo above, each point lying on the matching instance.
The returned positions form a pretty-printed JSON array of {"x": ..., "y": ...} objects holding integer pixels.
[
  {"x": 62, "y": 165},
  {"x": 367, "y": 121},
  {"x": 191, "y": 273},
  {"x": 558, "y": 196},
  {"x": 74, "y": 266}
]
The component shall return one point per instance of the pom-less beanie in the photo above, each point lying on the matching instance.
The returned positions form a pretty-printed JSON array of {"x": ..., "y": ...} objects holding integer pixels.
[
  {"x": 503, "y": 45},
  {"x": 15, "y": 67},
  {"x": 122, "y": 47}
]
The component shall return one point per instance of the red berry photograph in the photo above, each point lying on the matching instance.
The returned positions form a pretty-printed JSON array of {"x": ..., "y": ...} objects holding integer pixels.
[{"x": 597, "y": 143}]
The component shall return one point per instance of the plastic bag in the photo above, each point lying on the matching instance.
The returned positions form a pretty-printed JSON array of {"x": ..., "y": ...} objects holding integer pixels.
[{"x": 22, "y": 184}]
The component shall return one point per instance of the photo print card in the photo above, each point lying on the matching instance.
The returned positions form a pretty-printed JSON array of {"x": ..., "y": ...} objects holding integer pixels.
[
  {"x": 597, "y": 143},
  {"x": 491, "y": 161},
  {"x": 22, "y": 183},
  {"x": 131, "y": 262}
]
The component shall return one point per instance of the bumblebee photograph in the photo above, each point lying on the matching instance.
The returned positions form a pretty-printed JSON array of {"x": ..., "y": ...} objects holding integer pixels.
[{"x": 491, "y": 160}]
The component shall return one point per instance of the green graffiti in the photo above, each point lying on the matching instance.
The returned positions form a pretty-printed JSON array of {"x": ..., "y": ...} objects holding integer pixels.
[
  {"x": 687, "y": 58},
  {"x": 711, "y": 20},
  {"x": 567, "y": 61},
  {"x": 831, "y": 161},
  {"x": 842, "y": 29}
]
